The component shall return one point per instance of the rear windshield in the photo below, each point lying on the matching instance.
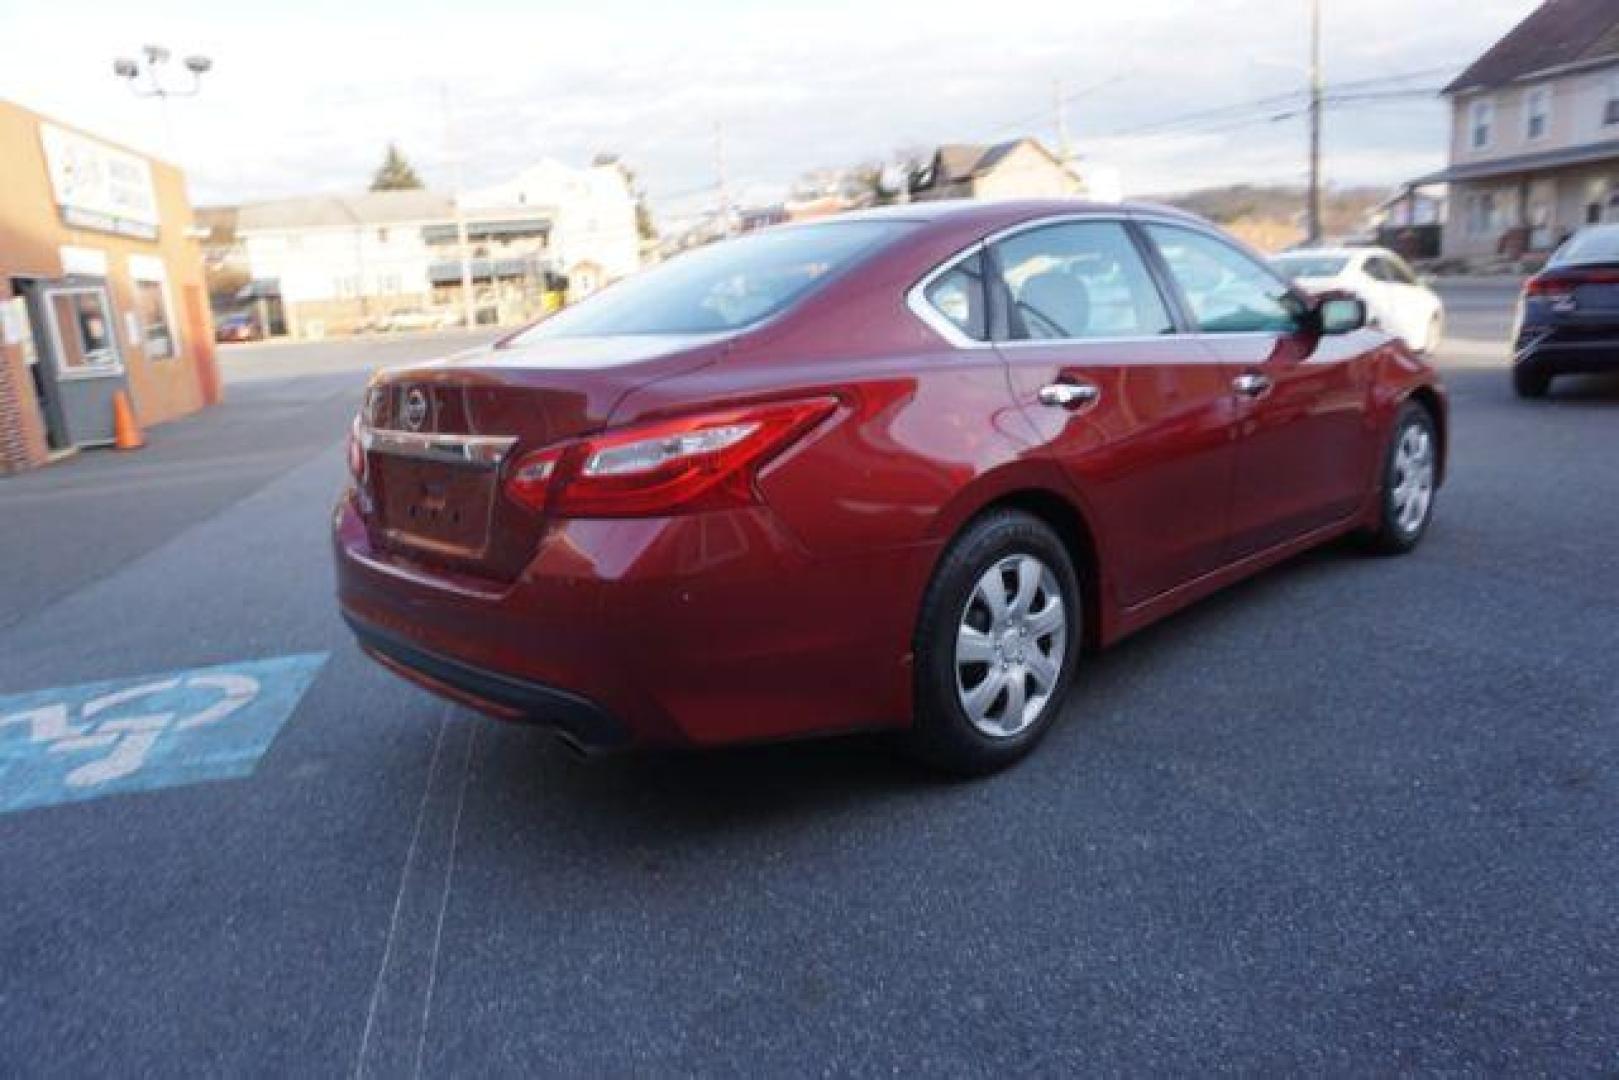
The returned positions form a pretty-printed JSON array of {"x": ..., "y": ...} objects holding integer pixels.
[
  {"x": 1311, "y": 266},
  {"x": 724, "y": 286},
  {"x": 1589, "y": 246}
]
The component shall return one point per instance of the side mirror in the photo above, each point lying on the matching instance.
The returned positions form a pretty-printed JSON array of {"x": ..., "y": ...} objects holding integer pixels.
[{"x": 1340, "y": 313}]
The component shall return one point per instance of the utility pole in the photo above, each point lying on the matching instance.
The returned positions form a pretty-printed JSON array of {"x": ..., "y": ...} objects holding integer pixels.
[
  {"x": 722, "y": 188},
  {"x": 1314, "y": 196},
  {"x": 1064, "y": 151},
  {"x": 469, "y": 307}
]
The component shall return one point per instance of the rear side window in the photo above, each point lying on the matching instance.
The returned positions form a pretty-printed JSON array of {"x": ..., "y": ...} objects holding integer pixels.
[
  {"x": 1079, "y": 279},
  {"x": 1229, "y": 292},
  {"x": 724, "y": 286},
  {"x": 958, "y": 296}
]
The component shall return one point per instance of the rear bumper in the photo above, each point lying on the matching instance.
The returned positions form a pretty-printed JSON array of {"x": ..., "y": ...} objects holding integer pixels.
[
  {"x": 580, "y": 721},
  {"x": 696, "y": 630},
  {"x": 1564, "y": 351}
]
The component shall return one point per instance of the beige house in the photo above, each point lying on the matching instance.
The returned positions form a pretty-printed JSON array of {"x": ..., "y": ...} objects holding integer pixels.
[
  {"x": 1018, "y": 169},
  {"x": 1534, "y": 145}
]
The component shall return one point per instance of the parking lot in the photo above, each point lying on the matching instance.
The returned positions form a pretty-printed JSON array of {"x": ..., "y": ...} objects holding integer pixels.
[{"x": 1355, "y": 815}]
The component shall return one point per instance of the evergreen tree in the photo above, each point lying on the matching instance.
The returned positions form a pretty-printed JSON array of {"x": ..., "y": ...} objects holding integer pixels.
[{"x": 395, "y": 173}]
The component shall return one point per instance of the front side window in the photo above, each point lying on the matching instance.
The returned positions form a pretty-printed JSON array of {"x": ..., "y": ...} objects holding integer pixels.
[
  {"x": 725, "y": 286},
  {"x": 958, "y": 295},
  {"x": 1229, "y": 292},
  {"x": 1482, "y": 120},
  {"x": 1079, "y": 279},
  {"x": 152, "y": 306}
]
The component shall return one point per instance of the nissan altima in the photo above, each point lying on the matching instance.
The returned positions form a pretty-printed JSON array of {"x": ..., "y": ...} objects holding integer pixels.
[{"x": 901, "y": 470}]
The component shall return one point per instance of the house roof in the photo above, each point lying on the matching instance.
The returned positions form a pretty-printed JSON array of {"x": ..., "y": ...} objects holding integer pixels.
[
  {"x": 1558, "y": 34},
  {"x": 1587, "y": 154},
  {"x": 345, "y": 211},
  {"x": 963, "y": 161}
]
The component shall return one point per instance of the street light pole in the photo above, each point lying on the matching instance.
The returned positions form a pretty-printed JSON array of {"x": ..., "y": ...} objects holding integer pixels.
[
  {"x": 153, "y": 59},
  {"x": 1314, "y": 226}
]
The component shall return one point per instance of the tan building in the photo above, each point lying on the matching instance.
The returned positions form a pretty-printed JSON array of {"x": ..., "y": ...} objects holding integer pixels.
[
  {"x": 1018, "y": 169},
  {"x": 101, "y": 291},
  {"x": 1534, "y": 145}
]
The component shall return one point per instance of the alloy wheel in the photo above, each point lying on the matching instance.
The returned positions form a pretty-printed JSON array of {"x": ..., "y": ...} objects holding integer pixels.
[{"x": 1412, "y": 492}]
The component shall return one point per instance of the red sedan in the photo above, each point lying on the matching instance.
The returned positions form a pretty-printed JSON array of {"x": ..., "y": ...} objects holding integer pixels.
[{"x": 898, "y": 470}]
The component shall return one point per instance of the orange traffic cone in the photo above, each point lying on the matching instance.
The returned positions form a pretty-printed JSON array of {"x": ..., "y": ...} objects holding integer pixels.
[{"x": 126, "y": 432}]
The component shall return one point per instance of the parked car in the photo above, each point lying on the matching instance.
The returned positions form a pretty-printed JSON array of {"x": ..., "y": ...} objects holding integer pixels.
[
  {"x": 238, "y": 327},
  {"x": 895, "y": 470},
  {"x": 1395, "y": 296},
  {"x": 415, "y": 319},
  {"x": 1568, "y": 314}
]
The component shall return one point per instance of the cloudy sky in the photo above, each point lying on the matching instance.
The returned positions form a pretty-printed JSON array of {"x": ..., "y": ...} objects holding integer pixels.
[{"x": 305, "y": 95}]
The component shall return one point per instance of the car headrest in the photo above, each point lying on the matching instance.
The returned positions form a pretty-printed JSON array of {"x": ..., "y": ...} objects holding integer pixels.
[{"x": 1058, "y": 298}]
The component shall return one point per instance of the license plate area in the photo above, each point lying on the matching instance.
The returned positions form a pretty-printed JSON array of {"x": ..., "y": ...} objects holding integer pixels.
[
  {"x": 435, "y": 506},
  {"x": 1596, "y": 299}
]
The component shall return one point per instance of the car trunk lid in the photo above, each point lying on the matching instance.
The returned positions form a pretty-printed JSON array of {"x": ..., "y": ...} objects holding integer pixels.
[{"x": 440, "y": 438}]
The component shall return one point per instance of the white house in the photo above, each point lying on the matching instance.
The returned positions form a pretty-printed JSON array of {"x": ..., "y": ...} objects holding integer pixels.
[
  {"x": 337, "y": 260},
  {"x": 1534, "y": 146},
  {"x": 594, "y": 238},
  {"x": 339, "y": 263}
]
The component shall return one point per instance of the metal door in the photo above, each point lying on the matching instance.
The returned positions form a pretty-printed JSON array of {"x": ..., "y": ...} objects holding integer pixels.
[{"x": 76, "y": 335}]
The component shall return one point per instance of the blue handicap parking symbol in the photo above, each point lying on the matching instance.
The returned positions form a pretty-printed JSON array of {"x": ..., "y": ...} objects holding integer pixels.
[{"x": 184, "y": 727}]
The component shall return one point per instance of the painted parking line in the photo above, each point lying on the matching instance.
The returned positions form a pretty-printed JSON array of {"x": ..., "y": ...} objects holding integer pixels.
[{"x": 143, "y": 734}]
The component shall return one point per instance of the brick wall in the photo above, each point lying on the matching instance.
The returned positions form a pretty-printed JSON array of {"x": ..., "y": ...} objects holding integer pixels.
[{"x": 22, "y": 429}]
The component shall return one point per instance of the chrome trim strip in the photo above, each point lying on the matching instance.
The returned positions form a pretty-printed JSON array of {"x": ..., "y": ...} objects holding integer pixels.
[
  {"x": 481, "y": 451},
  {"x": 916, "y": 299}
]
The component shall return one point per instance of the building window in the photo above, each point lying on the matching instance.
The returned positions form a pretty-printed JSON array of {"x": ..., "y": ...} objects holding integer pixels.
[
  {"x": 1481, "y": 213},
  {"x": 1537, "y": 111},
  {"x": 347, "y": 286},
  {"x": 388, "y": 285},
  {"x": 152, "y": 305},
  {"x": 1481, "y": 119},
  {"x": 1610, "y": 101},
  {"x": 382, "y": 236},
  {"x": 83, "y": 329}
]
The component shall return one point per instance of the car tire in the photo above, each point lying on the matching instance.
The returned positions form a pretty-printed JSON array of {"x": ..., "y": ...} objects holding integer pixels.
[
  {"x": 1528, "y": 383},
  {"x": 990, "y": 678},
  {"x": 1409, "y": 482}
]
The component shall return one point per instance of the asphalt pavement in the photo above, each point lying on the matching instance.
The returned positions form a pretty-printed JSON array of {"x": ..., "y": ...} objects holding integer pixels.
[{"x": 1356, "y": 815}]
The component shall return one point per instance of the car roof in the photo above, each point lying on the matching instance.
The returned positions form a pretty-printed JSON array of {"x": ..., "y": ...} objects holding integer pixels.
[{"x": 995, "y": 213}]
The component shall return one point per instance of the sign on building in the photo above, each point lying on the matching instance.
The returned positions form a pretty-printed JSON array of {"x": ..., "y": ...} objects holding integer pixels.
[{"x": 98, "y": 186}]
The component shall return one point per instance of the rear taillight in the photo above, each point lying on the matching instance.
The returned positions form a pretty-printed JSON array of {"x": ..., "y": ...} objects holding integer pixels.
[
  {"x": 356, "y": 452},
  {"x": 706, "y": 461},
  {"x": 1548, "y": 288},
  {"x": 1555, "y": 285}
]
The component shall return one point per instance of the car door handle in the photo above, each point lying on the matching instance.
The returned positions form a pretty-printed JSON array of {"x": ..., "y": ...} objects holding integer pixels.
[
  {"x": 1064, "y": 395},
  {"x": 1251, "y": 385}
]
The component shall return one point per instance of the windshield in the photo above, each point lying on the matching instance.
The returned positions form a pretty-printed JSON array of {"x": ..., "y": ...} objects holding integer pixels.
[
  {"x": 1589, "y": 246},
  {"x": 725, "y": 286},
  {"x": 1311, "y": 266}
]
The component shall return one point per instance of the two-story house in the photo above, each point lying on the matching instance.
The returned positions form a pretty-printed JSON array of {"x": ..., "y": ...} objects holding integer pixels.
[{"x": 1534, "y": 147}]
